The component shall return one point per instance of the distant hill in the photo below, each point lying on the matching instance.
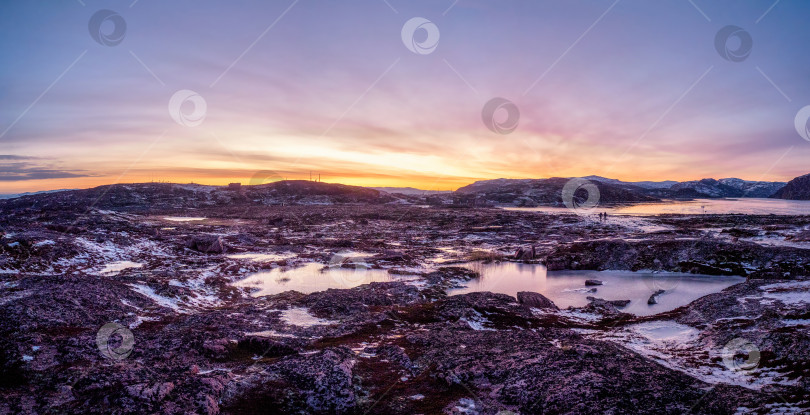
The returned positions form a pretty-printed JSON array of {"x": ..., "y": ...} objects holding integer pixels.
[
  {"x": 497, "y": 192},
  {"x": 731, "y": 187},
  {"x": 796, "y": 189},
  {"x": 535, "y": 192},
  {"x": 14, "y": 195},
  {"x": 148, "y": 196}
]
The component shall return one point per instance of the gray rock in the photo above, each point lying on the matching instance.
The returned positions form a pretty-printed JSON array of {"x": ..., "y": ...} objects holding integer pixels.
[
  {"x": 535, "y": 300},
  {"x": 617, "y": 303}
]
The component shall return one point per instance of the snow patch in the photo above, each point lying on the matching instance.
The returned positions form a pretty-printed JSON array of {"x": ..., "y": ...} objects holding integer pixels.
[
  {"x": 182, "y": 218},
  {"x": 113, "y": 268},
  {"x": 270, "y": 333},
  {"x": 160, "y": 300},
  {"x": 301, "y": 317}
]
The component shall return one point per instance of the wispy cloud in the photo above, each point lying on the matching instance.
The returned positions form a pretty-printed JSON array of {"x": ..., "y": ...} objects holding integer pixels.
[{"x": 17, "y": 168}]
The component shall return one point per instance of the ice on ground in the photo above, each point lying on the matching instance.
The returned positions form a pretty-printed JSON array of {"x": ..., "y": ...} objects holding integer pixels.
[
  {"x": 360, "y": 350},
  {"x": 160, "y": 300},
  {"x": 666, "y": 332},
  {"x": 95, "y": 253},
  {"x": 301, "y": 317},
  {"x": 575, "y": 315},
  {"x": 792, "y": 285},
  {"x": 140, "y": 319},
  {"x": 270, "y": 333},
  {"x": 796, "y": 322},
  {"x": 466, "y": 406},
  {"x": 678, "y": 347},
  {"x": 476, "y": 322},
  {"x": 118, "y": 266}
]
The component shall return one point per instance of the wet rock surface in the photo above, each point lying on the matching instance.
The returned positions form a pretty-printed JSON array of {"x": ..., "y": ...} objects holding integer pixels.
[
  {"x": 203, "y": 345},
  {"x": 535, "y": 300}
]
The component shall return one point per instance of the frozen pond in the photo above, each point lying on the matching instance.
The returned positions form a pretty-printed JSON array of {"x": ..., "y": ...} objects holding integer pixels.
[
  {"x": 567, "y": 288},
  {"x": 309, "y": 278},
  {"x": 747, "y": 206}
]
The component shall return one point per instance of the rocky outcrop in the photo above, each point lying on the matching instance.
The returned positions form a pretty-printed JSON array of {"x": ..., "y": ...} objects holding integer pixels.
[
  {"x": 316, "y": 383},
  {"x": 796, "y": 189},
  {"x": 209, "y": 244}
]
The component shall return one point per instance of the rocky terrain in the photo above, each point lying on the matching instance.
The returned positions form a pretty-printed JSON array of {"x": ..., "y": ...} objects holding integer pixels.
[
  {"x": 127, "y": 300},
  {"x": 796, "y": 189}
]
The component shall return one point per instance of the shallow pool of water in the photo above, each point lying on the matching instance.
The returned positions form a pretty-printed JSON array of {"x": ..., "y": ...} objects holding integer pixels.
[
  {"x": 567, "y": 288},
  {"x": 309, "y": 278},
  {"x": 182, "y": 219}
]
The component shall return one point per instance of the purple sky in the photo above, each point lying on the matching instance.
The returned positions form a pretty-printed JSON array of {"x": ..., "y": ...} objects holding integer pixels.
[{"x": 633, "y": 89}]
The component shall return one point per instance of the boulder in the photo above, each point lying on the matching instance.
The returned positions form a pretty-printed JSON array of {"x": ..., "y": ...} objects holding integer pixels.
[
  {"x": 535, "y": 300},
  {"x": 592, "y": 282},
  {"x": 653, "y": 298}
]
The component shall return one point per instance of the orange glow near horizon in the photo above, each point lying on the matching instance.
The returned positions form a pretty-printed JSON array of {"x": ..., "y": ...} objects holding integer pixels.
[{"x": 416, "y": 181}]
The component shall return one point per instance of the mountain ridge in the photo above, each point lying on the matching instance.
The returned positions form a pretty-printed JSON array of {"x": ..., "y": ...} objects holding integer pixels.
[{"x": 490, "y": 192}]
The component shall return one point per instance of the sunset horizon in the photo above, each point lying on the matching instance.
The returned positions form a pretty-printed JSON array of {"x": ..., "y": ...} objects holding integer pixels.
[{"x": 445, "y": 184}]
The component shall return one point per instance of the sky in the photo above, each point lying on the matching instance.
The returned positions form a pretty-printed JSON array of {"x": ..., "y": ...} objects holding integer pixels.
[{"x": 396, "y": 92}]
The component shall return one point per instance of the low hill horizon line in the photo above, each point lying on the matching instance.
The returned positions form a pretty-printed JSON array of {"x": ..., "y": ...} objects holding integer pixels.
[{"x": 412, "y": 188}]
